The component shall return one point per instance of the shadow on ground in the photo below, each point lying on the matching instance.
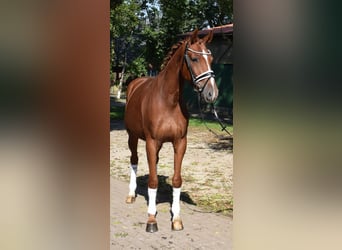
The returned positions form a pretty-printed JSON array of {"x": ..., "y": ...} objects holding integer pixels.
[
  {"x": 116, "y": 125},
  {"x": 164, "y": 193},
  {"x": 222, "y": 143}
]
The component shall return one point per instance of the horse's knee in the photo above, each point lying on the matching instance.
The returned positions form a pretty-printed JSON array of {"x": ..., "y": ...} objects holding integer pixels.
[
  {"x": 153, "y": 182},
  {"x": 134, "y": 159},
  {"x": 177, "y": 181}
]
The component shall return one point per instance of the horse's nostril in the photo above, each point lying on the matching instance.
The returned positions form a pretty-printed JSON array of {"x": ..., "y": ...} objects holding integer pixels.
[{"x": 210, "y": 94}]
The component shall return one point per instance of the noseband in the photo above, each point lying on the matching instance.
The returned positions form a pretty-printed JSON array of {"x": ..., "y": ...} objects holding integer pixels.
[{"x": 205, "y": 75}]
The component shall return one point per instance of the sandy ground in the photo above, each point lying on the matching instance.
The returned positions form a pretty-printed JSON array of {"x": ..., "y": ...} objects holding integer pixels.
[{"x": 207, "y": 189}]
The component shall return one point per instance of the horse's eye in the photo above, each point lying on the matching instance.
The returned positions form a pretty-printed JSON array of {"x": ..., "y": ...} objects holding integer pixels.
[{"x": 195, "y": 59}]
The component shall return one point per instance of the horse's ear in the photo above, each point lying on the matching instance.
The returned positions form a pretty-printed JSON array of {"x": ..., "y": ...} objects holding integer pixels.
[
  {"x": 209, "y": 37},
  {"x": 194, "y": 37}
]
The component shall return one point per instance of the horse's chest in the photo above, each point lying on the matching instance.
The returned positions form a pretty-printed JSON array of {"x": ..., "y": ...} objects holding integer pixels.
[{"x": 168, "y": 129}]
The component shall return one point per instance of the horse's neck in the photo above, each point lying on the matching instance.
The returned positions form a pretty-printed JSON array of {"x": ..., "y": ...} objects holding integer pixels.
[
  {"x": 171, "y": 80},
  {"x": 171, "y": 84}
]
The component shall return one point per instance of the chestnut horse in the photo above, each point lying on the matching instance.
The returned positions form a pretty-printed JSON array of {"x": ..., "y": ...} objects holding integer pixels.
[{"x": 155, "y": 112}]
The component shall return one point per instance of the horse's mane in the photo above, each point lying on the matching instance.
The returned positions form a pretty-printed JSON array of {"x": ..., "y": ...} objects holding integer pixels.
[{"x": 173, "y": 50}]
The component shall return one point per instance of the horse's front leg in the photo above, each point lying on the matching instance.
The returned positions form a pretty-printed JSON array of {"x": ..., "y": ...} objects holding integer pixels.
[
  {"x": 179, "y": 151},
  {"x": 152, "y": 149},
  {"x": 132, "y": 144}
]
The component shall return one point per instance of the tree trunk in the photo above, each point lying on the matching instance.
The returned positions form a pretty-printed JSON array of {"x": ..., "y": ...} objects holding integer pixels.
[
  {"x": 121, "y": 82},
  {"x": 122, "y": 77}
]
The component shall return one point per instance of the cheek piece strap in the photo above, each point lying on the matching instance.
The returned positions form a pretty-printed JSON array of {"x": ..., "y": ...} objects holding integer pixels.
[{"x": 196, "y": 79}]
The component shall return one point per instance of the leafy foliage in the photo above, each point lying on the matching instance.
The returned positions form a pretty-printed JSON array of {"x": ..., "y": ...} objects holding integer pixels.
[
  {"x": 137, "y": 68},
  {"x": 142, "y": 31},
  {"x": 122, "y": 27},
  {"x": 114, "y": 3}
]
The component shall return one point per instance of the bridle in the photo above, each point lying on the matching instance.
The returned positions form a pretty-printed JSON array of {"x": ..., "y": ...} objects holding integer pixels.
[
  {"x": 195, "y": 81},
  {"x": 205, "y": 75}
]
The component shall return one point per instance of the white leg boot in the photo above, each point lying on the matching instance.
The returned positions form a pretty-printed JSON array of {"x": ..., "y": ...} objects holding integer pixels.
[
  {"x": 132, "y": 184},
  {"x": 176, "y": 224}
]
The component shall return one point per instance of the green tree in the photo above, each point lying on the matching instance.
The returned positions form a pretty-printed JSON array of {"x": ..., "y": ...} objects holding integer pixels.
[
  {"x": 114, "y": 3},
  {"x": 179, "y": 16},
  {"x": 137, "y": 67},
  {"x": 172, "y": 22},
  {"x": 217, "y": 12},
  {"x": 124, "y": 21},
  {"x": 142, "y": 31},
  {"x": 150, "y": 33}
]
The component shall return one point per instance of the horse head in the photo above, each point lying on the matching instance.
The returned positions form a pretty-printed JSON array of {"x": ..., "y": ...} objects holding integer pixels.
[{"x": 197, "y": 67}]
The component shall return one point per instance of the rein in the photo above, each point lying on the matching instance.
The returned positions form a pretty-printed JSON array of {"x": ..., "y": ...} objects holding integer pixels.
[
  {"x": 205, "y": 75},
  {"x": 219, "y": 120},
  {"x": 223, "y": 127}
]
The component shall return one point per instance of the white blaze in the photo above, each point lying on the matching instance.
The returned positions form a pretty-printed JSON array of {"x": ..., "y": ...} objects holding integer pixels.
[{"x": 211, "y": 80}]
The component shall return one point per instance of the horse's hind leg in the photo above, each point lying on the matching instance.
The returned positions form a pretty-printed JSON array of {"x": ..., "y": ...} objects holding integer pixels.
[{"x": 132, "y": 144}]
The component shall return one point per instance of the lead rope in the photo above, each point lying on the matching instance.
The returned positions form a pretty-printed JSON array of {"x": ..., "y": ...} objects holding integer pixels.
[
  {"x": 216, "y": 117},
  {"x": 219, "y": 120}
]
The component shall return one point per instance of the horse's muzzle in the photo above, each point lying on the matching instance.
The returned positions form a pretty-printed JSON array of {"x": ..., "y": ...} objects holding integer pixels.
[{"x": 210, "y": 92}]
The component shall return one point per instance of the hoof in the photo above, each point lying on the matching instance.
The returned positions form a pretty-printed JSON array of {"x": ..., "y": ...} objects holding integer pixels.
[
  {"x": 151, "y": 225},
  {"x": 130, "y": 199},
  {"x": 177, "y": 225}
]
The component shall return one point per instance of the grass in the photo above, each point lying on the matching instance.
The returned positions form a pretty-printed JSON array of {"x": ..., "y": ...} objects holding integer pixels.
[
  {"x": 217, "y": 202},
  {"x": 121, "y": 235},
  {"x": 213, "y": 125},
  {"x": 163, "y": 166},
  {"x": 138, "y": 224},
  {"x": 117, "y": 112}
]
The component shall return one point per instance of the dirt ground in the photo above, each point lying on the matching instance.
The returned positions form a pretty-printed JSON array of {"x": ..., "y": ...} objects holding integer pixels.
[{"x": 206, "y": 206}]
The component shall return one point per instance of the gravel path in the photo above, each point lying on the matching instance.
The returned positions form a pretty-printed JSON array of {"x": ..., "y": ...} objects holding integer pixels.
[{"x": 207, "y": 189}]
